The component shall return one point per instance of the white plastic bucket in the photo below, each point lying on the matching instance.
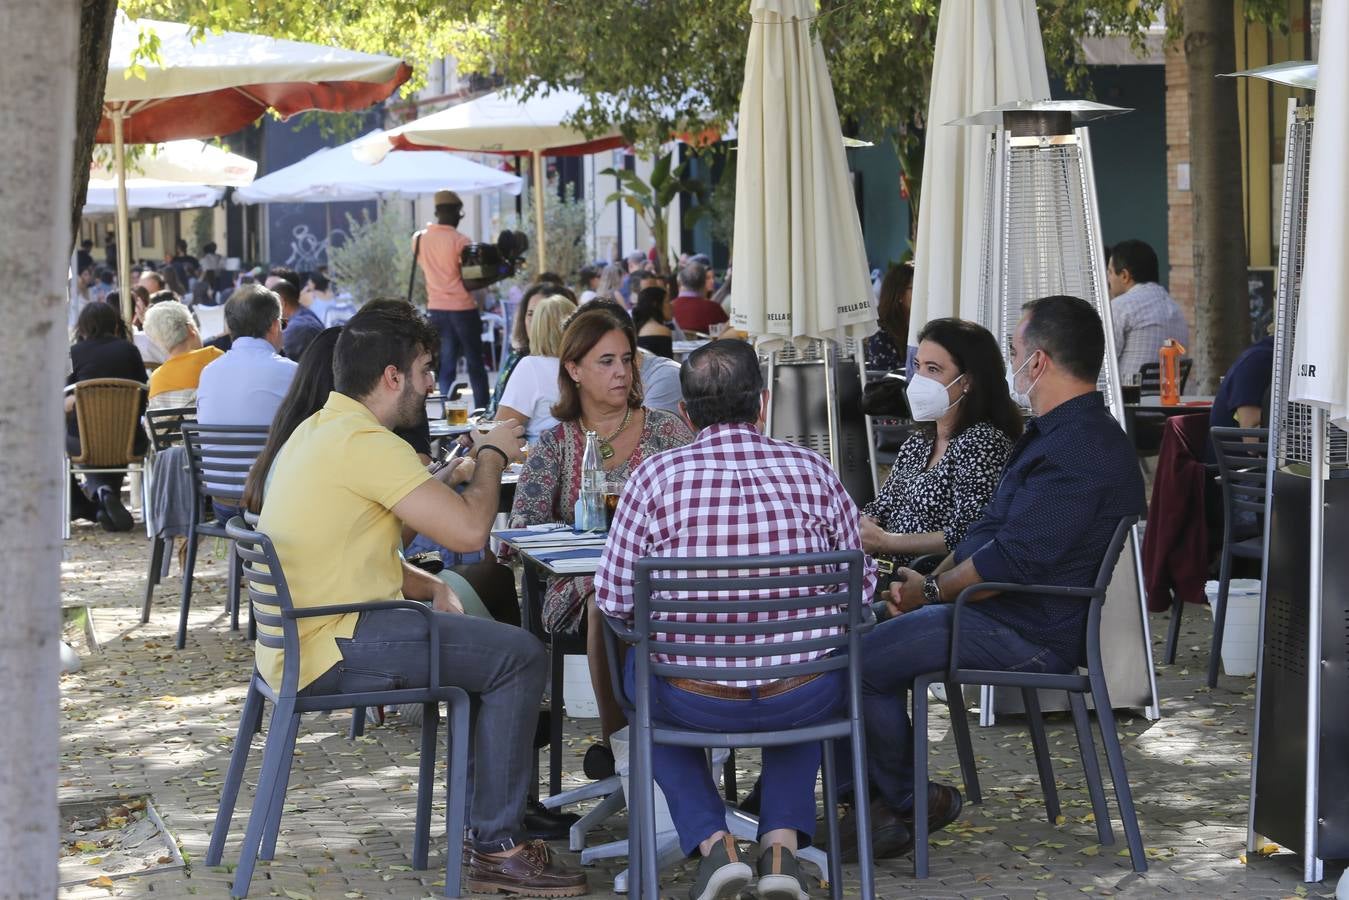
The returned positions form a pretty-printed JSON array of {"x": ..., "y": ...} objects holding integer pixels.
[
  {"x": 577, "y": 692},
  {"x": 1242, "y": 626}
]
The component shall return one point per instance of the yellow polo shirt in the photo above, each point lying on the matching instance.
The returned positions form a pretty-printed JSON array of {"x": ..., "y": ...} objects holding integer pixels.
[{"x": 328, "y": 505}]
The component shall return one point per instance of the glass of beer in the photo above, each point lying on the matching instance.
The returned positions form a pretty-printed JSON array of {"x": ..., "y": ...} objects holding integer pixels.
[{"x": 456, "y": 412}]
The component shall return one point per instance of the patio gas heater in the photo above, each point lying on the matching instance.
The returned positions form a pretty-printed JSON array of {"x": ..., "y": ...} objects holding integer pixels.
[
  {"x": 1042, "y": 236},
  {"x": 1300, "y": 767}
]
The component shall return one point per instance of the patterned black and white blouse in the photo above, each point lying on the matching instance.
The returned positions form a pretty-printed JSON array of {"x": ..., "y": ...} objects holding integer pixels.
[{"x": 948, "y": 497}]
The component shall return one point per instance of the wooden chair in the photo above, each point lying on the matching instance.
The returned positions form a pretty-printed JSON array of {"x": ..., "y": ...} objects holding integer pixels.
[{"x": 107, "y": 415}]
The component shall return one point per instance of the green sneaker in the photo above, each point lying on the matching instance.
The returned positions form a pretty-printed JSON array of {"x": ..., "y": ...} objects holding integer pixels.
[
  {"x": 722, "y": 875},
  {"x": 780, "y": 875}
]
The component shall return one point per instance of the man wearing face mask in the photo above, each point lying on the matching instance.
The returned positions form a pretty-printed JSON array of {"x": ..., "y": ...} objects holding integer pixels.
[
  {"x": 1068, "y": 482},
  {"x": 454, "y": 313}
]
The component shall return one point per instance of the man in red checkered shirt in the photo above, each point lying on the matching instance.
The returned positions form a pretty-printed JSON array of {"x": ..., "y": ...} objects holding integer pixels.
[{"x": 733, "y": 492}]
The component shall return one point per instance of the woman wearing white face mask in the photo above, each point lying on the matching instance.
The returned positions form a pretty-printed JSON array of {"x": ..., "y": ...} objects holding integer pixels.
[{"x": 946, "y": 472}]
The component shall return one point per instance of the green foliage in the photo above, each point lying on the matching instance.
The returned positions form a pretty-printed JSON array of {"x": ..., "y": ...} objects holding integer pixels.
[
  {"x": 565, "y": 223},
  {"x": 376, "y": 257},
  {"x": 203, "y": 228},
  {"x": 651, "y": 200}
]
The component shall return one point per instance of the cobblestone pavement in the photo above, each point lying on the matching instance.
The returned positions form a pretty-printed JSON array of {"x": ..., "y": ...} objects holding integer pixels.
[{"x": 142, "y": 718}]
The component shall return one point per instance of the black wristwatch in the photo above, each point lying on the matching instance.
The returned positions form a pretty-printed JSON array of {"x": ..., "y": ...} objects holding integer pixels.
[{"x": 931, "y": 590}]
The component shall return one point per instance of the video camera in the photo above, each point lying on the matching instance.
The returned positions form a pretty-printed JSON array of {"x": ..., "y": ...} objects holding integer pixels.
[{"x": 481, "y": 265}]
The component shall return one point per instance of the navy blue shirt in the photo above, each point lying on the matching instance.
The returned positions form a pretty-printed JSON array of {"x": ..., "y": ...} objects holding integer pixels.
[
  {"x": 1245, "y": 384},
  {"x": 1070, "y": 479},
  {"x": 302, "y": 328}
]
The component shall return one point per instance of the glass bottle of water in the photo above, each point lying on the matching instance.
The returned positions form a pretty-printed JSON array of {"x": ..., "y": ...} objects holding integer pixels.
[{"x": 589, "y": 513}]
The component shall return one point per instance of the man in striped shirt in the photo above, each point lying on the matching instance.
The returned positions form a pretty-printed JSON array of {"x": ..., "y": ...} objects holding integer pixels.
[{"x": 731, "y": 492}]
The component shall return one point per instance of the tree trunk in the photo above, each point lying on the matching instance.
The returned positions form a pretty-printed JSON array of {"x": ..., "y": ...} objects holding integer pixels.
[
  {"x": 96, "y": 18},
  {"x": 38, "y": 47},
  {"x": 1222, "y": 307}
]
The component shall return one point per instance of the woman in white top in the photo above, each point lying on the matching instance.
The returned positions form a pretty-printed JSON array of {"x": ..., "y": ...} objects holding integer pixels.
[{"x": 530, "y": 394}]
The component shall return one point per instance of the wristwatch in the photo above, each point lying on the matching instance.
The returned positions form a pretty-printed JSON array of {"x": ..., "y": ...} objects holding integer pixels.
[{"x": 931, "y": 590}]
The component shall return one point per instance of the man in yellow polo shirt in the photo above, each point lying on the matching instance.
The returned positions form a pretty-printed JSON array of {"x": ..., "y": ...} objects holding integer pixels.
[{"x": 340, "y": 491}]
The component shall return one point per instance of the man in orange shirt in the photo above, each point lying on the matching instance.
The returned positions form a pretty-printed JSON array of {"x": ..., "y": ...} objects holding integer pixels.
[{"x": 454, "y": 312}]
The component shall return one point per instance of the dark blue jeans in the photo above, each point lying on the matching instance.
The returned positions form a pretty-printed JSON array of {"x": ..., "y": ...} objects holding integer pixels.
[
  {"x": 788, "y": 779},
  {"x": 902, "y": 648},
  {"x": 502, "y": 668},
  {"x": 461, "y": 335}
]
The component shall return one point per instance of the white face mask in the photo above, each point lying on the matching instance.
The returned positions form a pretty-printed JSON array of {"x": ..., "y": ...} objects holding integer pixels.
[
  {"x": 1019, "y": 398},
  {"x": 928, "y": 398}
]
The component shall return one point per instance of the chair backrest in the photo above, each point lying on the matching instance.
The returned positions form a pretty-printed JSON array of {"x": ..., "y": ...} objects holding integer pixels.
[
  {"x": 165, "y": 426},
  {"x": 1242, "y": 454},
  {"x": 1150, "y": 376},
  {"x": 107, "y": 413},
  {"x": 762, "y": 634},
  {"x": 210, "y": 321},
  {"x": 270, "y": 595},
  {"x": 1103, "y": 575},
  {"x": 339, "y": 313},
  {"x": 220, "y": 457}
]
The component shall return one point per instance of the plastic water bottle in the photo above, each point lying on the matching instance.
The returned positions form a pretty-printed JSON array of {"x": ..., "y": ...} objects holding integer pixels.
[{"x": 589, "y": 511}]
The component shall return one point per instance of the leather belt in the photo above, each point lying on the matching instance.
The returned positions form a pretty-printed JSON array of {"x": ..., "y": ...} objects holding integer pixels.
[{"x": 721, "y": 691}]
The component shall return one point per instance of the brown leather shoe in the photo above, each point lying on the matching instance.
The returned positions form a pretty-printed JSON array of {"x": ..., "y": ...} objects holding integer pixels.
[
  {"x": 943, "y": 806},
  {"x": 530, "y": 872}
]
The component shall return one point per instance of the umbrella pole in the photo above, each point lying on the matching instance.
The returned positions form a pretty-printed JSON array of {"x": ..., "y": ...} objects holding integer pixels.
[
  {"x": 1311, "y": 850},
  {"x": 123, "y": 226},
  {"x": 831, "y": 400},
  {"x": 536, "y": 167}
]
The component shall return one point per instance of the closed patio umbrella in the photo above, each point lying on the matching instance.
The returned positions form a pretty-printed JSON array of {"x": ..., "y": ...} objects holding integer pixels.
[
  {"x": 800, "y": 264},
  {"x": 500, "y": 122},
  {"x": 988, "y": 52},
  {"x": 334, "y": 174},
  {"x": 218, "y": 85}
]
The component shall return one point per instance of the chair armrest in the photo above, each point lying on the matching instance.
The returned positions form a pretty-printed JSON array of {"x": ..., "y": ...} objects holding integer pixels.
[
  {"x": 616, "y": 630},
  {"x": 624, "y": 632},
  {"x": 1002, "y": 587},
  {"x": 432, "y": 644}
]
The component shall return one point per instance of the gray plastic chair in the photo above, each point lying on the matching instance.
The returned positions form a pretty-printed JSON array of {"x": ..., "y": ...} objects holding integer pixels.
[
  {"x": 1077, "y": 685},
  {"x": 277, "y": 615},
  {"x": 219, "y": 456},
  {"x": 840, "y": 571},
  {"x": 1242, "y": 454},
  {"x": 165, "y": 429}
]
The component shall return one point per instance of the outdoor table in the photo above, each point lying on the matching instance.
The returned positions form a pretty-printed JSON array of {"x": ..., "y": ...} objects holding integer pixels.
[
  {"x": 1188, "y": 405},
  {"x": 684, "y": 348},
  {"x": 441, "y": 429}
]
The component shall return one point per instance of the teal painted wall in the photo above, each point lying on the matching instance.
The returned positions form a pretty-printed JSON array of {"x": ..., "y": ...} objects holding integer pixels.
[{"x": 885, "y": 214}]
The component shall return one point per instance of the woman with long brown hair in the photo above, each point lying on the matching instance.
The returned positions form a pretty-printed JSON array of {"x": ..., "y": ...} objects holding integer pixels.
[{"x": 600, "y": 389}]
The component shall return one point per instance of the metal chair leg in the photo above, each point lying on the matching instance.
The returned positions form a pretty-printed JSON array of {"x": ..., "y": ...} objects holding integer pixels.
[
  {"x": 257, "y": 819},
  {"x": 152, "y": 577},
  {"x": 862, "y": 814},
  {"x": 189, "y": 565},
  {"x": 278, "y": 802},
  {"x": 234, "y": 776},
  {"x": 1105, "y": 717},
  {"x": 1220, "y": 614},
  {"x": 1091, "y": 768},
  {"x": 457, "y": 742},
  {"x": 828, "y": 776},
  {"x": 1043, "y": 763},
  {"x": 920, "y": 835},
  {"x": 1173, "y": 632},
  {"x": 555, "y": 706},
  {"x": 960, "y": 727},
  {"x": 426, "y": 784},
  {"x": 232, "y": 580}
]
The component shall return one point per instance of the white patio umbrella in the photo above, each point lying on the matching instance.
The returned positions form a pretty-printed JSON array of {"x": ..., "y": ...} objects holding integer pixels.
[
  {"x": 800, "y": 264},
  {"x": 988, "y": 52},
  {"x": 1321, "y": 347},
  {"x": 333, "y": 174},
  {"x": 187, "y": 162},
  {"x": 219, "y": 84},
  {"x": 500, "y": 122},
  {"x": 149, "y": 193}
]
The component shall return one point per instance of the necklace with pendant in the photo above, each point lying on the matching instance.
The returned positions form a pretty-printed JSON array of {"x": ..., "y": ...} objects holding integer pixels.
[{"x": 606, "y": 448}]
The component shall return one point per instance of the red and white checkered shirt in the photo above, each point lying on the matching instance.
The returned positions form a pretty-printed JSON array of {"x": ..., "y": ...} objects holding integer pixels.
[{"x": 732, "y": 492}]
